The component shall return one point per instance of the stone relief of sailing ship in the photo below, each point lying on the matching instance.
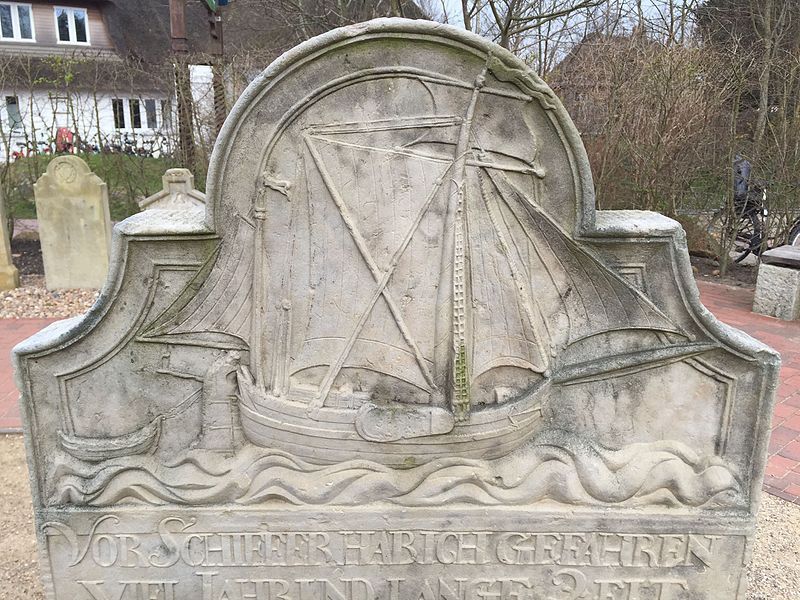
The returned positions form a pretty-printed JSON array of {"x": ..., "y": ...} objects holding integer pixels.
[
  {"x": 398, "y": 293},
  {"x": 379, "y": 350}
]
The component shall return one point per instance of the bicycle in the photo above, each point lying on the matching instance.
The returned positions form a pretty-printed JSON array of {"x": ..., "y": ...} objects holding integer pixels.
[
  {"x": 750, "y": 227},
  {"x": 745, "y": 223},
  {"x": 794, "y": 234}
]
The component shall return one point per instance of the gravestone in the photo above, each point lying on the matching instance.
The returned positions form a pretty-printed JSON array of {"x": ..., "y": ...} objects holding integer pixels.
[
  {"x": 178, "y": 192},
  {"x": 9, "y": 275},
  {"x": 74, "y": 224},
  {"x": 400, "y": 356}
]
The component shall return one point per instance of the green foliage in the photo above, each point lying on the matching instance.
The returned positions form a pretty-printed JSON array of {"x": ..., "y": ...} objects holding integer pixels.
[{"x": 129, "y": 178}]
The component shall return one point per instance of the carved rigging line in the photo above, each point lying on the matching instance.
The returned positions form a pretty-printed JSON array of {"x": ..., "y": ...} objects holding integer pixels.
[
  {"x": 381, "y": 278},
  {"x": 349, "y": 127},
  {"x": 403, "y": 151}
]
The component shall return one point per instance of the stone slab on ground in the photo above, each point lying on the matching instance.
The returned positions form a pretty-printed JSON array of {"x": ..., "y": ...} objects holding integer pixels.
[
  {"x": 782, "y": 256},
  {"x": 9, "y": 274},
  {"x": 778, "y": 292}
]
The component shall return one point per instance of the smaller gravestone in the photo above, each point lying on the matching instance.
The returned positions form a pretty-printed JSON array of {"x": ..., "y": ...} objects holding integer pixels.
[
  {"x": 778, "y": 285},
  {"x": 9, "y": 276},
  {"x": 74, "y": 224},
  {"x": 178, "y": 193}
]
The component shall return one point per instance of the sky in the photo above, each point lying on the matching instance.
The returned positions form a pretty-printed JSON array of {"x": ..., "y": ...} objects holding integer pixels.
[{"x": 454, "y": 10}]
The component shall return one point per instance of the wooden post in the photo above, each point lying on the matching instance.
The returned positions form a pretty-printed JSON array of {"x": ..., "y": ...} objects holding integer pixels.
[
  {"x": 217, "y": 66},
  {"x": 183, "y": 86}
]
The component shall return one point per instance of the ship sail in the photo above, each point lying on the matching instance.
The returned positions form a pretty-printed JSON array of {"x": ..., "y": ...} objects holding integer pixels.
[
  {"x": 586, "y": 297},
  {"x": 216, "y": 308},
  {"x": 364, "y": 318}
]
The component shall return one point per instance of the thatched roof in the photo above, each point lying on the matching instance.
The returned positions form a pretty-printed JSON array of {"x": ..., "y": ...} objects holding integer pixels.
[
  {"x": 141, "y": 29},
  {"x": 255, "y": 32}
]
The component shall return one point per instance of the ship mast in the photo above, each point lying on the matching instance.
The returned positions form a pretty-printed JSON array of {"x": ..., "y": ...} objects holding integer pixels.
[{"x": 452, "y": 368}]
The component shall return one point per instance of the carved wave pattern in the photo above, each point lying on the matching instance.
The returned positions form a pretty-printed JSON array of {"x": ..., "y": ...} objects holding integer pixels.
[{"x": 556, "y": 466}]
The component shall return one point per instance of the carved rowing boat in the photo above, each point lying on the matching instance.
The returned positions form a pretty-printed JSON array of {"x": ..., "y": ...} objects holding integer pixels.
[{"x": 95, "y": 449}]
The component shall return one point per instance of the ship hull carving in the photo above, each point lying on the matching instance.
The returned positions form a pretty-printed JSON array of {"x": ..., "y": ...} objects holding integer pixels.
[{"x": 330, "y": 435}]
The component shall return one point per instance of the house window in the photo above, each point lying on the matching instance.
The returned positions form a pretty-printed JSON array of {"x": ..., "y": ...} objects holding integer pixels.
[
  {"x": 119, "y": 113},
  {"x": 136, "y": 114},
  {"x": 12, "y": 110},
  {"x": 16, "y": 23},
  {"x": 72, "y": 25},
  {"x": 150, "y": 113}
]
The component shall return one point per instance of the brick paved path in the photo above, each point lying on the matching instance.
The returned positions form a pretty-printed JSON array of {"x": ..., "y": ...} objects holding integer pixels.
[
  {"x": 730, "y": 304},
  {"x": 13, "y": 331}
]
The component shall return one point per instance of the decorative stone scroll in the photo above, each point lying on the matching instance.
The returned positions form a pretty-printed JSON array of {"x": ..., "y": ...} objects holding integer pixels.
[
  {"x": 178, "y": 192},
  {"x": 74, "y": 224},
  {"x": 398, "y": 356}
]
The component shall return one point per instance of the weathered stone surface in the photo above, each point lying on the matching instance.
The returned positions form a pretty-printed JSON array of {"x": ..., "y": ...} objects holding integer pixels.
[
  {"x": 74, "y": 224},
  {"x": 398, "y": 356},
  {"x": 783, "y": 256},
  {"x": 9, "y": 275},
  {"x": 178, "y": 192},
  {"x": 777, "y": 292}
]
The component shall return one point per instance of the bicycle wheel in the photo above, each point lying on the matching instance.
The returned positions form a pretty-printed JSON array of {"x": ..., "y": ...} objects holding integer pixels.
[
  {"x": 794, "y": 234},
  {"x": 748, "y": 237}
]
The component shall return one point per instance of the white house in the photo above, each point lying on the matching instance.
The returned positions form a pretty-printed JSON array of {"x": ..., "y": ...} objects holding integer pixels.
[
  {"x": 101, "y": 71},
  {"x": 63, "y": 80}
]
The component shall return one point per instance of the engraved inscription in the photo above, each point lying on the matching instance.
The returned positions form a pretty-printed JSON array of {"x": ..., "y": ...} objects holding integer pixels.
[{"x": 365, "y": 564}]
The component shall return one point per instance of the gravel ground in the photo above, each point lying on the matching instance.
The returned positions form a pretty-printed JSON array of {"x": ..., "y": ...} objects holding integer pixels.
[
  {"x": 33, "y": 301},
  {"x": 773, "y": 574}
]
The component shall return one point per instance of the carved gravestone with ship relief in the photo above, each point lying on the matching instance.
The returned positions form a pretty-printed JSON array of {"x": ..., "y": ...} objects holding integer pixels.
[{"x": 398, "y": 356}]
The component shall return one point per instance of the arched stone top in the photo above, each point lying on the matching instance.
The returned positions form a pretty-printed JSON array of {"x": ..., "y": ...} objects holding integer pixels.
[
  {"x": 414, "y": 54},
  {"x": 67, "y": 171}
]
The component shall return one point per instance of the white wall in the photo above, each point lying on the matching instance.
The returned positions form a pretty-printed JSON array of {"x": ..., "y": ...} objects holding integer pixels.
[
  {"x": 88, "y": 115},
  {"x": 203, "y": 101}
]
